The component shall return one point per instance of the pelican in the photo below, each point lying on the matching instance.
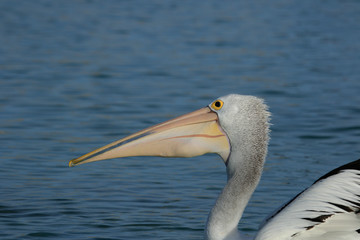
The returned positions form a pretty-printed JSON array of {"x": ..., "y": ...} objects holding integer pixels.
[{"x": 236, "y": 127}]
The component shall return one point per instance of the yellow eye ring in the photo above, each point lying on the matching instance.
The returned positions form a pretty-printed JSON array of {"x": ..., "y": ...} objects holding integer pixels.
[{"x": 217, "y": 104}]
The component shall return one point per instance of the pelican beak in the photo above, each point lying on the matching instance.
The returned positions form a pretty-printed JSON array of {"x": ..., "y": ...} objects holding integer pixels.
[{"x": 189, "y": 135}]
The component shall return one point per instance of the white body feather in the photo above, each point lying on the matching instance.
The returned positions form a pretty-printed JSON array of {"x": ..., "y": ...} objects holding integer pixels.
[{"x": 326, "y": 210}]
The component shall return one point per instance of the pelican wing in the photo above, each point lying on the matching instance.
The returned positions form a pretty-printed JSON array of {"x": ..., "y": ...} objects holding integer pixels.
[{"x": 329, "y": 209}]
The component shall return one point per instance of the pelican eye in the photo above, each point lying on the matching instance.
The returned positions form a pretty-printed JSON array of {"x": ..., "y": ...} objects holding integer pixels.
[{"x": 217, "y": 105}]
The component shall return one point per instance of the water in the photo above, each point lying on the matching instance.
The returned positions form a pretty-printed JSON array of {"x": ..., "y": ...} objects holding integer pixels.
[{"x": 76, "y": 75}]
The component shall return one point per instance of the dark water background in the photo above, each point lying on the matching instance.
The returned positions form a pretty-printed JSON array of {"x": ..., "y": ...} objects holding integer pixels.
[{"x": 75, "y": 75}]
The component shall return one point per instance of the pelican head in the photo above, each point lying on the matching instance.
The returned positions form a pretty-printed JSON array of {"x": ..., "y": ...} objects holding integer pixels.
[{"x": 211, "y": 129}]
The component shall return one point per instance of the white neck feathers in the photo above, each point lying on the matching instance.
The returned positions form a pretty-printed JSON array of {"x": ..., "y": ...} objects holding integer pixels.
[{"x": 247, "y": 127}]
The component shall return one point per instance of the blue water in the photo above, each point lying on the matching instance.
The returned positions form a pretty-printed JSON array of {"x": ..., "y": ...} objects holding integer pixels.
[{"x": 75, "y": 75}]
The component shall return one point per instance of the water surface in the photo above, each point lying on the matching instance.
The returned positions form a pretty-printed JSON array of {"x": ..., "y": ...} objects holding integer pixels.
[{"x": 75, "y": 75}]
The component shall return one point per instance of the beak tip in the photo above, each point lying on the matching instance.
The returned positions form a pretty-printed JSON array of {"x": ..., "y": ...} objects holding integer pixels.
[{"x": 71, "y": 164}]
